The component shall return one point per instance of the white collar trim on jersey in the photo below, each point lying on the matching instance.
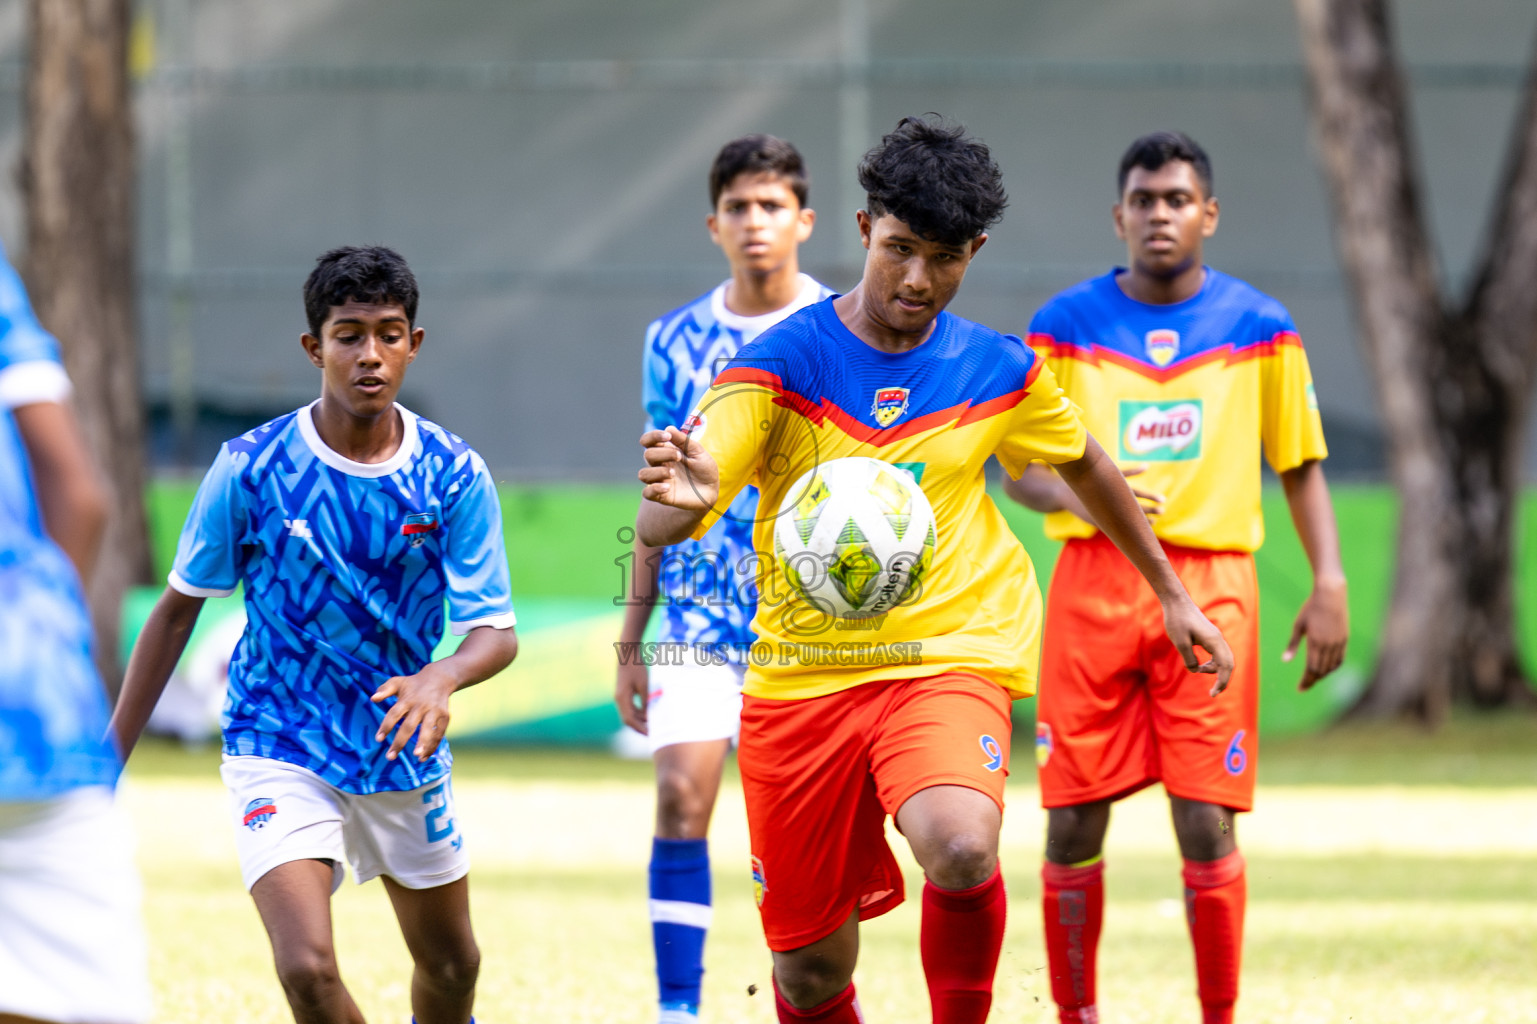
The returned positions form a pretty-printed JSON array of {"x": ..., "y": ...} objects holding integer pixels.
[
  {"x": 331, "y": 457},
  {"x": 810, "y": 292}
]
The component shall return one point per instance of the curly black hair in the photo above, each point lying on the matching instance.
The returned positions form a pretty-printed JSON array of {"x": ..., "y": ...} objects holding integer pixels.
[
  {"x": 361, "y": 273},
  {"x": 936, "y": 179}
]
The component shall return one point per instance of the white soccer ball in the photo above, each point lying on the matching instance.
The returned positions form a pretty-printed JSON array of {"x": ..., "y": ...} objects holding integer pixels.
[{"x": 855, "y": 536}]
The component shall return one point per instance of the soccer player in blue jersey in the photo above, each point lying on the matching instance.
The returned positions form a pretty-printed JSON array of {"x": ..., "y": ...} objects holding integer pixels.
[
  {"x": 690, "y": 701},
  {"x": 71, "y": 942},
  {"x": 347, "y": 522}
]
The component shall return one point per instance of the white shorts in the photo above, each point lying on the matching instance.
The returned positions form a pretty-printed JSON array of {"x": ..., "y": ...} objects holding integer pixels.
[
  {"x": 692, "y": 703},
  {"x": 284, "y": 813},
  {"x": 71, "y": 937}
]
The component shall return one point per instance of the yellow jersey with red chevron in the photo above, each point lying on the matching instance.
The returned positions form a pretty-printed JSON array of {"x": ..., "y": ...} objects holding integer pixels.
[
  {"x": 1192, "y": 392},
  {"x": 809, "y": 391}
]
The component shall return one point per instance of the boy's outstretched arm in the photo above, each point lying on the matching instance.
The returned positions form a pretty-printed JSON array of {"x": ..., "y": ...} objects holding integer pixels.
[
  {"x": 1112, "y": 507},
  {"x": 421, "y": 700},
  {"x": 154, "y": 658},
  {"x": 682, "y": 484},
  {"x": 1325, "y": 616},
  {"x": 70, "y": 492}
]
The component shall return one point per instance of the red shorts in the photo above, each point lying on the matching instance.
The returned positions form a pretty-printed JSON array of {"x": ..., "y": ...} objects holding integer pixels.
[
  {"x": 1117, "y": 709},
  {"x": 821, "y": 774}
]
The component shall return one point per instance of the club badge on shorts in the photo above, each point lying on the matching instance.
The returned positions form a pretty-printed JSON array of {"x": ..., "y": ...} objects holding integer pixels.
[
  {"x": 759, "y": 886},
  {"x": 258, "y": 812},
  {"x": 1043, "y": 743}
]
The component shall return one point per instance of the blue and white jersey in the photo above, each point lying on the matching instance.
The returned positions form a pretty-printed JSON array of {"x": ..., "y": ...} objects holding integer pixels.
[
  {"x": 53, "y": 709},
  {"x": 345, "y": 566},
  {"x": 707, "y": 587}
]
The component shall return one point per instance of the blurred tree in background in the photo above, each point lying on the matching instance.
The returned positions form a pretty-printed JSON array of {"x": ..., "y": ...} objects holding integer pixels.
[
  {"x": 1454, "y": 374},
  {"x": 78, "y": 180}
]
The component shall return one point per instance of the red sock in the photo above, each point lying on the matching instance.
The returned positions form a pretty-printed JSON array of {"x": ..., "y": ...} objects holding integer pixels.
[
  {"x": 1215, "y": 894},
  {"x": 1073, "y": 904},
  {"x": 961, "y": 936},
  {"x": 842, "y": 1008}
]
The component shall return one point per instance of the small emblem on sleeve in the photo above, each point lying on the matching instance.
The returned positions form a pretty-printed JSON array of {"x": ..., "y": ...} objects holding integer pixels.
[
  {"x": 418, "y": 526},
  {"x": 890, "y": 404},
  {"x": 258, "y": 812},
  {"x": 1162, "y": 346}
]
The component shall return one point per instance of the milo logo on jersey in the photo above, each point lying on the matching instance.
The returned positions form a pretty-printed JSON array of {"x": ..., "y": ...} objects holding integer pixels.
[{"x": 1161, "y": 431}]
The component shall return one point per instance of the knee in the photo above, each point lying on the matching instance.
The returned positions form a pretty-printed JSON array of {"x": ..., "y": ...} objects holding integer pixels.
[
  {"x": 963, "y": 860},
  {"x": 1075, "y": 834},
  {"x": 452, "y": 970},
  {"x": 308, "y": 976},
  {"x": 682, "y": 805},
  {"x": 1205, "y": 831},
  {"x": 806, "y": 981}
]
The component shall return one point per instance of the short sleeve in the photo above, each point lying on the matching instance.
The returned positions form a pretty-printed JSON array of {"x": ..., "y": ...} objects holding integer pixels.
[
  {"x": 735, "y": 420},
  {"x": 658, "y": 383},
  {"x": 1290, "y": 426},
  {"x": 1045, "y": 425},
  {"x": 475, "y": 563},
  {"x": 30, "y": 370},
  {"x": 208, "y": 553}
]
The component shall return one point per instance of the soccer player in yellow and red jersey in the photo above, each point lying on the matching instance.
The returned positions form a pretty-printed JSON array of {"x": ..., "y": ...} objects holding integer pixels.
[
  {"x": 907, "y": 716},
  {"x": 1192, "y": 372}
]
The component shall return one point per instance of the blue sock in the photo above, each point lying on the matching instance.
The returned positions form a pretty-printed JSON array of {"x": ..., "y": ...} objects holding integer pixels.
[{"x": 680, "y": 916}]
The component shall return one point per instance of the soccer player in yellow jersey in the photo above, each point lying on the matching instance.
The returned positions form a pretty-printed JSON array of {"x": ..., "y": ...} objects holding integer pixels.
[
  {"x": 1191, "y": 372},
  {"x": 835, "y": 733}
]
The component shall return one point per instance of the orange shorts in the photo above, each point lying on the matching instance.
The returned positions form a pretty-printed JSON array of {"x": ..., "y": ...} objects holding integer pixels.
[
  {"x": 821, "y": 774},
  {"x": 1117, "y": 709}
]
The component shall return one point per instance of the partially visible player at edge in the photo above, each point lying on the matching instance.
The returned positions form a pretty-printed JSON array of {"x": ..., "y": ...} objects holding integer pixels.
[
  {"x": 347, "y": 522},
  {"x": 828, "y": 749},
  {"x": 690, "y": 710},
  {"x": 71, "y": 940},
  {"x": 1192, "y": 372}
]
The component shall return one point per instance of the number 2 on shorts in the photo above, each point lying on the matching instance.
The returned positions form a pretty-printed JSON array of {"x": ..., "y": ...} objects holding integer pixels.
[{"x": 439, "y": 824}]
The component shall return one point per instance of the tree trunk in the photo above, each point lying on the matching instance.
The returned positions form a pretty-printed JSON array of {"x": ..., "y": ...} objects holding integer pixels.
[
  {"x": 78, "y": 179},
  {"x": 1453, "y": 383}
]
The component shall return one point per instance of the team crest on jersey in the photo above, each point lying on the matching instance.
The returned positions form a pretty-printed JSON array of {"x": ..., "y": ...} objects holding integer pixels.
[
  {"x": 1162, "y": 346},
  {"x": 759, "y": 886},
  {"x": 1043, "y": 743},
  {"x": 694, "y": 425},
  {"x": 890, "y": 404},
  {"x": 418, "y": 526},
  {"x": 258, "y": 812}
]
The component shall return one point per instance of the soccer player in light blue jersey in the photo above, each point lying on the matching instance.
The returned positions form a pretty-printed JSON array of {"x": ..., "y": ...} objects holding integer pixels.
[
  {"x": 347, "y": 522},
  {"x": 71, "y": 941},
  {"x": 689, "y": 701}
]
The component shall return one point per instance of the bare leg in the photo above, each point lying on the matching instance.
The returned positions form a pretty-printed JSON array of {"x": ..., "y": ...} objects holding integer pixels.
[
  {"x": 294, "y": 901},
  {"x": 687, "y": 782},
  {"x": 1205, "y": 831},
  {"x": 436, "y": 925},
  {"x": 953, "y": 832},
  {"x": 813, "y": 974},
  {"x": 1077, "y": 833}
]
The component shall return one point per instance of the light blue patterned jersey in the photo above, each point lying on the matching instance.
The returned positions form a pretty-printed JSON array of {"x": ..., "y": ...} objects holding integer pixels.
[
  {"x": 345, "y": 567},
  {"x": 706, "y": 587},
  {"x": 53, "y": 710}
]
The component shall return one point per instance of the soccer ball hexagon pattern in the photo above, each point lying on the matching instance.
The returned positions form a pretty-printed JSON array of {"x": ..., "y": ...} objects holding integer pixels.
[{"x": 855, "y": 536}]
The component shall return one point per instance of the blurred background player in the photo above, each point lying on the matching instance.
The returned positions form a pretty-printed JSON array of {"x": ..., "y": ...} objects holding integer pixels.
[
  {"x": 1191, "y": 371},
  {"x": 830, "y": 746},
  {"x": 689, "y": 707},
  {"x": 71, "y": 941},
  {"x": 347, "y": 522}
]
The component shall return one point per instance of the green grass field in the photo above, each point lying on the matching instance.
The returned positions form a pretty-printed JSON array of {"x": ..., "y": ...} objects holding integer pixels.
[{"x": 1391, "y": 880}]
